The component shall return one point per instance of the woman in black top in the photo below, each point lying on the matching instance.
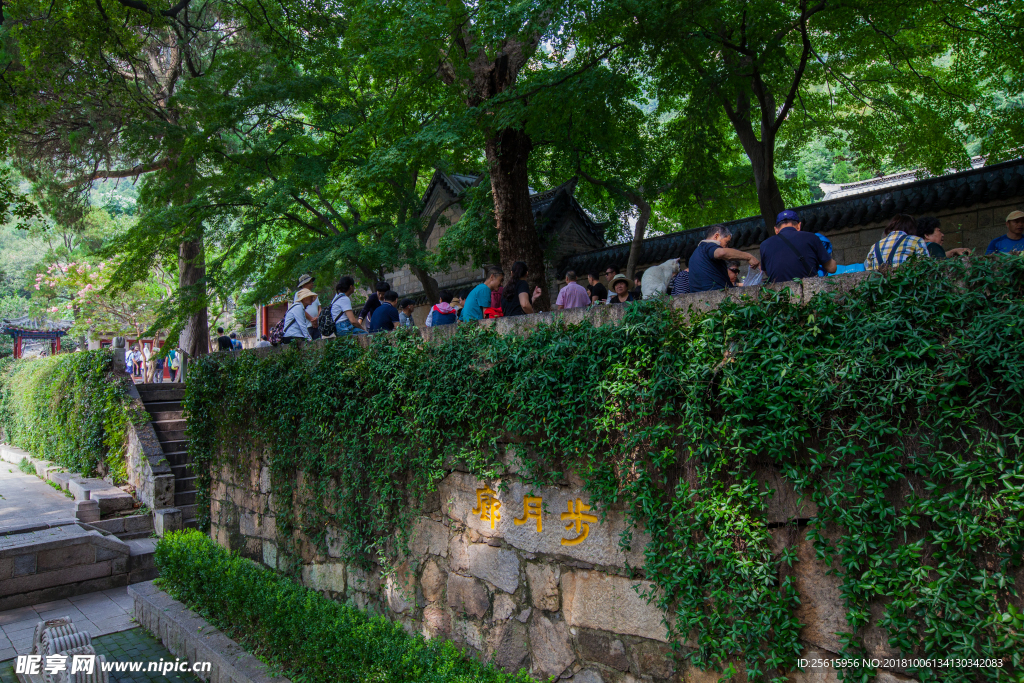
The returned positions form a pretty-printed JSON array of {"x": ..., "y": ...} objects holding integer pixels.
[
  {"x": 928, "y": 229},
  {"x": 620, "y": 284},
  {"x": 515, "y": 296}
]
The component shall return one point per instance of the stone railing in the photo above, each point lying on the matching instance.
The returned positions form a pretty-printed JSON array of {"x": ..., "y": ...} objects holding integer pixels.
[{"x": 148, "y": 469}]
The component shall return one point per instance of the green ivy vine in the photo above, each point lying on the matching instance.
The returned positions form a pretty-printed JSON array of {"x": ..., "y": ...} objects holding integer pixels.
[
  {"x": 72, "y": 408},
  {"x": 894, "y": 408}
]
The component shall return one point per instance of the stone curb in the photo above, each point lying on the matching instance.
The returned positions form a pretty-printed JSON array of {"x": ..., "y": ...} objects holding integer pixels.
[{"x": 189, "y": 636}]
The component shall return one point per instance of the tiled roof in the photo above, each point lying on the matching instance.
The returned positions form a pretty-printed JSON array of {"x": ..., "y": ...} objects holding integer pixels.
[
  {"x": 930, "y": 195},
  {"x": 838, "y": 190},
  {"x": 29, "y": 324},
  {"x": 547, "y": 206}
]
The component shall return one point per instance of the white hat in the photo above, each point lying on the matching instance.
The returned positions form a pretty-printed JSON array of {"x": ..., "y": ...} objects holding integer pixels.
[
  {"x": 1015, "y": 216},
  {"x": 303, "y": 293},
  {"x": 305, "y": 279}
]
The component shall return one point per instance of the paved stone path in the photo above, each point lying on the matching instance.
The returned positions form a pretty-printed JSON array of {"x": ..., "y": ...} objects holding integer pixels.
[
  {"x": 133, "y": 645},
  {"x": 98, "y": 613},
  {"x": 25, "y": 498}
]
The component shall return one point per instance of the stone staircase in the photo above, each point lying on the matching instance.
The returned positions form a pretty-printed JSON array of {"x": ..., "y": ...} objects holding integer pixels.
[{"x": 163, "y": 402}]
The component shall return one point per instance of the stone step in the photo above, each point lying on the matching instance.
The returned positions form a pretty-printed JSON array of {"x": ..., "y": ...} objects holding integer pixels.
[
  {"x": 184, "y": 498},
  {"x": 188, "y": 512},
  {"x": 175, "y": 458},
  {"x": 164, "y": 415},
  {"x": 132, "y": 537},
  {"x": 182, "y": 471},
  {"x": 170, "y": 446},
  {"x": 172, "y": 425},
  {"x": 171, "y": 436},
  {"x": 190, "y": 524},
  {"x": 153, "y": 395},
  {"x": 163, "y": 406},
  {"x": 110, "y": 498},
  {"x": 133, "y": 526},
  {"x": 184, "y": 484}
]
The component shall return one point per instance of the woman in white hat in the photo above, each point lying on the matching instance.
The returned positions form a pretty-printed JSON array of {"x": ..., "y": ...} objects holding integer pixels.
[
  {"x": 312, "y": 309},
  {"x": 295, "y": 318}
]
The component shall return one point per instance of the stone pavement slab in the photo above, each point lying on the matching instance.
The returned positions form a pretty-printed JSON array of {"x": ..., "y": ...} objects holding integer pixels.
[
  {"x": 25, "y": 498},
  {"x": 100, "y": 613}
]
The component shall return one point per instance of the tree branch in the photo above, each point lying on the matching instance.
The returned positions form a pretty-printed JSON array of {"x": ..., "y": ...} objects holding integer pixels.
[{"x": 133, "y": 172}]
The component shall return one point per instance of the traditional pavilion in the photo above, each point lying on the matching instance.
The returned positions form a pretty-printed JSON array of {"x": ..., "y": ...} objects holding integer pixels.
[{"x": 27, "y": 327}]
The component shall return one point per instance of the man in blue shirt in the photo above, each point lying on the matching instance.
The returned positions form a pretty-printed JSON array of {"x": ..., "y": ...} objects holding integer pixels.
[
  {"x": 791, "y": 254},
  {"x": 386, "y": 315},
  {"x": 480, "y": 297},
  {"x": 708, "y": 269},
  {"x": 1013, "y": 240}
]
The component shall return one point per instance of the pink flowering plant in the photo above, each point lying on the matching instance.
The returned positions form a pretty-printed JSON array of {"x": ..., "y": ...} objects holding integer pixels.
[{"x": 81, "y": 291}]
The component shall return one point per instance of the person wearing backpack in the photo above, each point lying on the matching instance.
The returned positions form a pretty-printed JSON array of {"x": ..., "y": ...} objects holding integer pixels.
[
  {"x": 792, "y": 254},
  {"x": 443, "y": 313},
  {"x": 174, "y": 363},
  {"x": 343, "y": 320},
  {"x": 295, "y": 327},
  {"x": 898, "y": 245}
]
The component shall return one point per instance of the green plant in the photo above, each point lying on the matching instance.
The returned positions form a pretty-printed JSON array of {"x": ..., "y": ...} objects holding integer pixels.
[
  {"x": 73, "y": 409},
  {"x": 27, "y": 467},
  {"x": 896, "y": 408},
  {"x": 307, "y": 636}
]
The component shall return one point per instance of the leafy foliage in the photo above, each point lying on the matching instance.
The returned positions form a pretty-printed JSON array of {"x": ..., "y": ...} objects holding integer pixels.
[
  {"x": 72, "y": 408},
  {"x": 895, "y": 407},
  {"x": 310, "y": 637}
]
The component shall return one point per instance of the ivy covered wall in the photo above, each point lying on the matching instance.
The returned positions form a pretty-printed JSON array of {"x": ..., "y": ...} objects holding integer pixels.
[
  {"x": 894, "y": 409},
  {"x": 72, "y": 408}
]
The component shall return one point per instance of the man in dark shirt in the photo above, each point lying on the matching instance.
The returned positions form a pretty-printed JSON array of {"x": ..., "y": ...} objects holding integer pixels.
[
  {"x": 708, "y": 268},
  {"x": 223, "y": 341},
  {"x": 598, "y": 292},
  {"x": 372, "y": 302},
  {"x": 386, "y": 316},
  {"x": 791, "y": 254}
]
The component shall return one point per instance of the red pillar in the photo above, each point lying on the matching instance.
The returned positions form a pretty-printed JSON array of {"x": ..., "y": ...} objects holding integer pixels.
[
  {"x": 57, "y": 345},
  {"x": 17, "y": 346}
]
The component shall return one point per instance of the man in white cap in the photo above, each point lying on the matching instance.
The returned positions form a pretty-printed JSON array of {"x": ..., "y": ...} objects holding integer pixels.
[
  {"x": 1013, "y": 240},
  {"x": 312, "y": 310}
]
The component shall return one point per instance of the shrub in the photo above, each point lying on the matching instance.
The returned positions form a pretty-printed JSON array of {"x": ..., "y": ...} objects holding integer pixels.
[
  {"x": 73, "y": 409},
  {"x": 305, "y": 635}
]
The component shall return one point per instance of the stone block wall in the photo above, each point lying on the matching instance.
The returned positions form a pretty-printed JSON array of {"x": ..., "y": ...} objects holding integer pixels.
[
  {"x": 520, "y": 583},
  {"x": 40, "y": 565},
  {"x": 505, "y": 572},
  {"x": 972, "y": 227}
]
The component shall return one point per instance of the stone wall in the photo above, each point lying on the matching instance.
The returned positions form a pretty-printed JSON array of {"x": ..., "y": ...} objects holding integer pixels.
[
  {"x": 518, "y": 586},
  {"x": 530, "y": 589},
  {"x": 972, "y": 227}
]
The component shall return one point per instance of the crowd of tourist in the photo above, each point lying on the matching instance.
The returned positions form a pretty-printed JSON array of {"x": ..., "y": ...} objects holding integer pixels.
[
  {"x": 789, "y": 254},
  {"x": 147, "y": 364}
]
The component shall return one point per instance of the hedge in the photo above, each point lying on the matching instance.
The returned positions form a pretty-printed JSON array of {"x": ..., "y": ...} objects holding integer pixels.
[
  {"x": 73, "y": 409},
  {"x": 308, "y": 637}
]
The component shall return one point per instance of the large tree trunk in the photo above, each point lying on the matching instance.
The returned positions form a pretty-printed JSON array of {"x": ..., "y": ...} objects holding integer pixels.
[
  {"x": 429, "y": 284},
  {"x": 762, "y": 159},
  {"x": 195, "y": 336},
  {"x": 507, "y": 153},
  {"x": 638, "y": 234}
]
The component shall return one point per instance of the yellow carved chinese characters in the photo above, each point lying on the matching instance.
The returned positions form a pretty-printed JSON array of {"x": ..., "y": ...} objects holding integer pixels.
[
  {"x": 487, "y": 505},
  {"x": 578, "y": 522},
  {"x": 531, "y": 510}
]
